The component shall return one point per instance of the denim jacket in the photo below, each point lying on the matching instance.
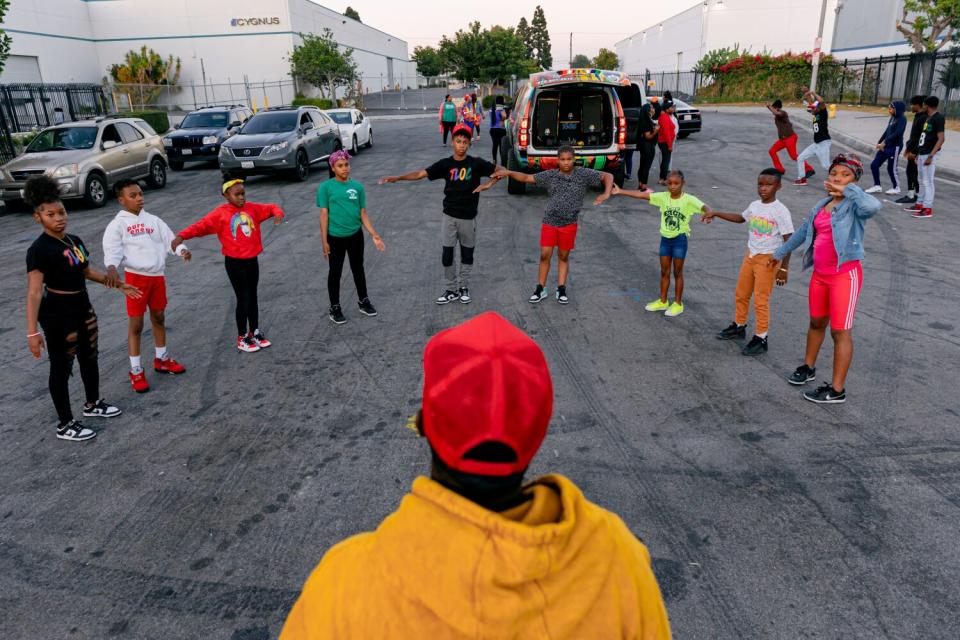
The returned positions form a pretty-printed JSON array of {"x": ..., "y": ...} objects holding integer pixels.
[{"x": 846, "y": 220}]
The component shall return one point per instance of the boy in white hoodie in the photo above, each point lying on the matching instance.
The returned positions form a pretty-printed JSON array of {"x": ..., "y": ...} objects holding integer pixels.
[{"x": 141, "y": 242}]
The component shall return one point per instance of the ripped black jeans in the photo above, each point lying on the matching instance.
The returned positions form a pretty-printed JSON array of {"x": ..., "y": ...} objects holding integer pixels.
[{"x": 70, "y": 331}]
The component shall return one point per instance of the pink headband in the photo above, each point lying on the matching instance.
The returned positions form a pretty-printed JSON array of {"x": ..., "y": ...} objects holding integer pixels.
[{"x": 337, "y": 156}]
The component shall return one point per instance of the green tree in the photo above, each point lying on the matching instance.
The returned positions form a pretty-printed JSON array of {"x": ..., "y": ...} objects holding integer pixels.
[
  {"x": 5, "y": 40},
  {"x": 716, "y": 58},
  {"x": 523, "y": 32},
  {"x": 934, "y": 23},
  {"x": 319, "y": 61},
  {"x": 350, "y": 12},
  {"x": 146, "y": 66},
  {"x": 580, "y": 61},
  {"x": 462, "y": 52},
  {"x": 429, "y": 61},
  {"x": 606, "y": 59},
  {"x": 502, "y": 54},
  {"x": 541, "y": 38}
]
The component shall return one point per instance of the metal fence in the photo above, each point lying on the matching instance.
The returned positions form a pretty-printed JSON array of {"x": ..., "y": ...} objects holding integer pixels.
[
  {"x": 28, "y": 106},
  {"x": 681, "y": 84},
  {"x": 190, "y": 96}
]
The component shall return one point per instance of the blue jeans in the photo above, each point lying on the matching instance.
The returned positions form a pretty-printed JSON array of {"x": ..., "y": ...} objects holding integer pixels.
[{"x": 675, "y": 248}]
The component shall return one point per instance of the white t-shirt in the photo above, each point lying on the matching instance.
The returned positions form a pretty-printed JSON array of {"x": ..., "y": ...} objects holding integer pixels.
[{"x": 767, "y": 224}]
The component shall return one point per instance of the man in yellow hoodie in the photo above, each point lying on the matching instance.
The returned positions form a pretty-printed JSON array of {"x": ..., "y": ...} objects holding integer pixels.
[{"x": 473, "y": 552}]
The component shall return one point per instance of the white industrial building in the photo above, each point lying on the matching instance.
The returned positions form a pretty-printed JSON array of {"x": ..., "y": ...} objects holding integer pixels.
[
  {"x": 868, "y": 29},
  {"x": 220, "y": 41},
  {"x": 679, "y": 42}
]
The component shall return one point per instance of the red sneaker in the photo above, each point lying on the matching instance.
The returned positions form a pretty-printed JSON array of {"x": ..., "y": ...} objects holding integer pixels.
[
  {"x": 168, "y": 365},
  {"x": 923, "y": 213},
  {"x": 247, "y": 344},
  {"x": 261, "y": 339},
  {"x": 914, "y": 207},
  {"x": 139, "y": 382},
  {"x": 802, "y": 182}
]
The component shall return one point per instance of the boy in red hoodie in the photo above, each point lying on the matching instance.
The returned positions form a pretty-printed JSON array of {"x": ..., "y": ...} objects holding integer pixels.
[
  {"x": 665, "y": 138},
  {"x": 237, "y": 225}
]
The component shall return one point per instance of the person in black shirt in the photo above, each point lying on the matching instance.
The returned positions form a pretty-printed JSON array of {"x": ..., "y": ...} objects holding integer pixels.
[
  {"x": 821, "y": 139},
  {"x": 928, "y": 146},
  {"x": 461, "y": 175},
  {"x": 647, "y": 131},
  {"x": 910, "y": 150},
  {"x": 58, "y": 264}
]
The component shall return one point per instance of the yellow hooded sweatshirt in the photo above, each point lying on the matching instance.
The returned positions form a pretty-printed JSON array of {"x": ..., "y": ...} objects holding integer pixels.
[{"x": 441, "y": 566}]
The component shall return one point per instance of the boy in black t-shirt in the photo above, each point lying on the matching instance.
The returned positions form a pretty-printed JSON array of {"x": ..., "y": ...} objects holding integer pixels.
[
  {"x": 821, "y": 139},
  {"x": 461, "y": 175},
  {"x": 910, "y": 151},
  {"x": 928, "y": 146}
]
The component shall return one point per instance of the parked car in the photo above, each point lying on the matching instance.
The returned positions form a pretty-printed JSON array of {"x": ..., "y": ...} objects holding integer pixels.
[
  {"x": 688, "y": 117},
  {"x": 87, "y": 157},
  {"x": 355, "y": 128},
  {"x": 577, "y": 107},
  {"x": 281, "y": 140},
  {"x": 199, "y": 135}
]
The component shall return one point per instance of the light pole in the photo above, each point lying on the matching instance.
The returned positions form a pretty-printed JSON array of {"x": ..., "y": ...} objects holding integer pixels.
[{"x": 816, "y": 48}]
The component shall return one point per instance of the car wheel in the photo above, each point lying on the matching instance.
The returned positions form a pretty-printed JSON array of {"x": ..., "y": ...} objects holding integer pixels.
[
  {"x": 355, "y": 148},
  {"x": 369, "y": 140},
  {"x": 158, "y": 174},
  {"x": 95, "y": 193},
  {"x": 302, "y": 170},
  {"x": 514, "y": 187},
  {"x": 176, "y": 166}
]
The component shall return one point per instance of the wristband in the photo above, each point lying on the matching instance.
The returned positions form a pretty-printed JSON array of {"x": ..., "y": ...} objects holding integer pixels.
[
  {"x": 784, "y": 270},
  {"x": 34, "y": 335}
]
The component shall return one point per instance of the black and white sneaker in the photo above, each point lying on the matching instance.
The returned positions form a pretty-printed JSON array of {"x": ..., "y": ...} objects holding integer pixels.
[
  {"x": 365, "y": 308},
  {"x": 448, "y": 296},
  {"x": 336, "y": 315},
  {"x": 755, "y": 347},
  {"x": 464, "y": 295},
  {"x": 75, "y": 432},
  {"x": 538, "y": 294},
  {"x": 907, "y": 199},
  {"x": 733, "y": 332},
  {"x": 803, "y": 375},
  {"x": 825, "y": 394},
  {"x": 562, "y": 295},
  {"x": 100, "y": 409}
]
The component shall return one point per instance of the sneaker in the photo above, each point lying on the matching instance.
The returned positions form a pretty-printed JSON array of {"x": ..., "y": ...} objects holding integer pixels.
[
  {"x": 924, "y": 213},
  {"x": 755, "y": 347},
  {"x": 247, "y": 344},
  {"x": 657, "y": 305},
  {"x": 448, "y": 296},
  {"x": 810, "y": 174},
  {"x": 562, "y": 295},
  {"x": 138, "y": 380},
  {"x": 100, "y": 409},
  {"x": 261, "y": 339},
  {"x": 802, "y": 375},
  {"x": 914, "y": 207},
  {"x": 801, "y": 182},
  {"x": 75, "y": 432},
  {"x": 733, "y": 332},
  {"x": 464, "y": 295},
  {"x": 538, "y": 294},
  {"x": 675, "y": 309},
  {"x": 907, "y": 199},
  {"x": 895, "y": 191},
  {"x": 336, "y": 315},
  {"x": 874, "y": 189},
  {"x": 366, "y": 308},
  {"x": 168, "y": 365},
  {"x": 825, "y": 394}
]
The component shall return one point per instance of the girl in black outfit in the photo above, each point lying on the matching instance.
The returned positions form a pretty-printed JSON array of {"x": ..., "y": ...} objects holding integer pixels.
[
  {"x": 498, "y": 126},
  {"x": 647, "y": 131},
  {"x": 57, "y": 266}
]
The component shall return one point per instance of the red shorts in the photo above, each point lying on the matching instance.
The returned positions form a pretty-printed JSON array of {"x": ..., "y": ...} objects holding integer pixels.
[
  {"x": 563, "y": 237},
  {"x": 835, "y": 295},
  {"x": 154, "y": 290}
]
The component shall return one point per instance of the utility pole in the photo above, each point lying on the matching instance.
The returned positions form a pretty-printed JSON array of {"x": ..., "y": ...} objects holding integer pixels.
[
  {"x": 816, "y": 48},
  {"x": 570, "y": 63}
]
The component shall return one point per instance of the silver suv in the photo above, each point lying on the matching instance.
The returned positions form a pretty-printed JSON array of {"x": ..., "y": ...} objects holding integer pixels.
[
  {"x": 87, "y": 157},
  {"x": 283, "y": 140}
]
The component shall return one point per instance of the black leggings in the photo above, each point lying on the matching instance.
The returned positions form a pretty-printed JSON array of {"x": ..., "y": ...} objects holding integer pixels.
[
  {"x": 352, "y": 247},
  {"x": 70, "y": 329},
  {"x": 447, "y": 128},
  {"x": 244, "y": 274},
  {"x": 648, "y": 152},
  {"x": 665, "y": 154},
  {"x": 497, "y": 136},
  {"x": 913, "y": 180}
]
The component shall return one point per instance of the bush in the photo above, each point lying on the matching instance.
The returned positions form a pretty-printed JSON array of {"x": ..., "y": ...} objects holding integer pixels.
[
  {"x": 320, "y": 103},
  {"x": 156, "y": 119},
  {"x": 488, "y": 101}
]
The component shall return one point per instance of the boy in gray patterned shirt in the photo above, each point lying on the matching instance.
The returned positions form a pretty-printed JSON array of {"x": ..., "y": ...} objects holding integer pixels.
[{"x": 566, "y": 186}]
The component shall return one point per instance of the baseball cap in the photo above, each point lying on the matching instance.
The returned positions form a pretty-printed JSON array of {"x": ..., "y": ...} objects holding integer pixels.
[
  {"x": 462, "y": 129},
  {"x": 485, "y": 382}
]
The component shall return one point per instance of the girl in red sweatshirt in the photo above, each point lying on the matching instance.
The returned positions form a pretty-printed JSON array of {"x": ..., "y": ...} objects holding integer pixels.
[
  {"x": 237, "y": 225},
  {"x": 665, "y": 138}
]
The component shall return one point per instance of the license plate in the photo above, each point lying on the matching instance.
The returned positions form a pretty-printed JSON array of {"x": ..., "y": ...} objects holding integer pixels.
[
  {"x": 246, "y": 164},
  {"x": 187, "y": 152},
  {"x": 686, "y": 117}
]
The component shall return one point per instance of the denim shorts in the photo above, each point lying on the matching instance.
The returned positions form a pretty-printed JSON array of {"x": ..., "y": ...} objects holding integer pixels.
[{"x": 675, "y": 248}]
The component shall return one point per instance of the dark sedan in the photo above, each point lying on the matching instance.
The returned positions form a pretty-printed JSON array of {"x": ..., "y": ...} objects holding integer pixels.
[{"x": 688, "y": 117}]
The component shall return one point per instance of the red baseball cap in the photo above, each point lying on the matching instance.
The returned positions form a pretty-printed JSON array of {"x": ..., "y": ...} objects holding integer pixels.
[
  {"x": 464, "y": 129},
  {"x": 485, "y": 381}
]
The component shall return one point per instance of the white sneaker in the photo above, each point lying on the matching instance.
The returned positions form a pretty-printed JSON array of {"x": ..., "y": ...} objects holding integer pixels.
[
  {"x": 874, "y": 189},
  {"x": 75, "y": 432},
  {"x": 893, "y": 192},
  {"x": 101, "y": 409}
]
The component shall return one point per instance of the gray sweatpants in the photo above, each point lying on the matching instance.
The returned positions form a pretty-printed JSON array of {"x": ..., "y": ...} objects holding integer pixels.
[{"x": 453, "y": 231}]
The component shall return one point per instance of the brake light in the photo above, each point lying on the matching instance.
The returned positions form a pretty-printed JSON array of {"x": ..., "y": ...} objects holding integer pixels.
[
  {"x": 621, "y": 131},
  {"x": 523, "y": 139}
]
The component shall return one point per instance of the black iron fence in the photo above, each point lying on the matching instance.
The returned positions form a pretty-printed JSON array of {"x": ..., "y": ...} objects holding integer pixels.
[{"x": 27, "y": 106}]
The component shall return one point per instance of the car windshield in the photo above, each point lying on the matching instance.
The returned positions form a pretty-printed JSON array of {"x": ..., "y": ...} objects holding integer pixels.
[
  {"x": 63, "y": 139},
  {"x": 272, "y": 122},
  {"x": 340, "y": 117},
  {"x": 680, "y": 104},
  {"x": 204, "y": 121}
]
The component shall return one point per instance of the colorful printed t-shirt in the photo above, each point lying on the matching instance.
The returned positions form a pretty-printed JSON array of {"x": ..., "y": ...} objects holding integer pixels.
[
  {"x": 824, "y": 252},
  {"x": 566, "y": 193},
  {"x": 460, "y": 178},
  {"x": 62, "y": 263},
  {"x": 675, "y": 214},
  {"x": 767, "y": 224},
  {"x": 343, "y": 202}
]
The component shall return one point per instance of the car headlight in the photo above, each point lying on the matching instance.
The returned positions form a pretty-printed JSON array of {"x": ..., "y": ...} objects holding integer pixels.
[
  {"x": 66, "y": 171},
  {"x": 224, "y": 150},
  {"x": 277, "y": 148},
  {"x": 168, "y": 141},
  {"x": 209, "y": 140}
]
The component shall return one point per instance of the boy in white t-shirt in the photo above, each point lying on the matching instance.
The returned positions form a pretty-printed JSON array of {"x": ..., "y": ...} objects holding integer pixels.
[{"x": 769, "y": 226}]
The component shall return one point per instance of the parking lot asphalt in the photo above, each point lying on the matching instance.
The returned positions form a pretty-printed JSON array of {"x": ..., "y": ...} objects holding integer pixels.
[{"x": 201, "y": 510}]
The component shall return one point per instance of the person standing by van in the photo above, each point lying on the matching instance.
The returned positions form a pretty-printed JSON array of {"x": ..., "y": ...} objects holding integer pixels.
[
  {"x": 647, "y": 132},
  {"x": 498, "y": 126},
  {"x": 665, "y": 139},
  {"x": 448, "y": 117}
]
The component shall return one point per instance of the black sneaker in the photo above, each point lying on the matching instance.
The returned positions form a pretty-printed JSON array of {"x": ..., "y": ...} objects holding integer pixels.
[
  {"x": 448, "y": 296},
  {"x": 464, "y": 295},
  {"x": 906, "y": 200},
  {"x": 100, "y": 409},
  {"x": 825, "y": 394},
  {"x": 562, "y": 295},
  {"x": 75, "y": 432},
  {"x": 538, "y": 294},
  {"x": 336, "y": 315},
  {"x": 733, "y": 332},
  {"x": 803, "y": 375},
  {"x": 755, "y": 347},
  {"x": 365, "y": 308},
  {"x": 810, "y": 174}
]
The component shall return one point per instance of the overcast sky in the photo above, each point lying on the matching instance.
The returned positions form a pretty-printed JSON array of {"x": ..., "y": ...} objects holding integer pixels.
[{"x": 423, "y": 22}]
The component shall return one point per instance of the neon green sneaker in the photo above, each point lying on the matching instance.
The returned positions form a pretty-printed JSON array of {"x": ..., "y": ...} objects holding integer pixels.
[
  {"x": 675, "y": 309},
  {"x": 657, "y": 305}
]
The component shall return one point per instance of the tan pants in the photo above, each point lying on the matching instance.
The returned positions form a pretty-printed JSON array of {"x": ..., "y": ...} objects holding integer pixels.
[{"x": 755, "y": 279}]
